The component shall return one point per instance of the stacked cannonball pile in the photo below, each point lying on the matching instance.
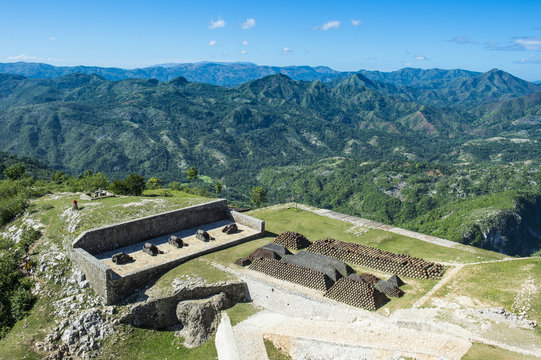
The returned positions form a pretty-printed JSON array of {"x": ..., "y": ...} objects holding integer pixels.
[
  {"x": 293, "y": 273},
  {"x": 357, "y": 293},
  {"x": 389, "y": 289},
  {"x": 292, "y": 240},
  {"x": 367, "y": 278},
  {"x": 244, "y": 261},
  {"x": 377, "y": 259}
]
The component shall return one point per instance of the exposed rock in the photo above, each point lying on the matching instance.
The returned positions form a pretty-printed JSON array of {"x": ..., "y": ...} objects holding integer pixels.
[
  {"x": 500, "y": 314},
  {"x": 199, "y": 318},
  {"x": 83, "y": 333},
  {"x": 192, "y": 300}
]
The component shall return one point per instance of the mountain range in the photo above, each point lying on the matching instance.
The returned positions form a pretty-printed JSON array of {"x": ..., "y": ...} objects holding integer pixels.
[
  {"x": 79, "y": 121},
  {"x": 456, "y": 135},
  {"x": 233, "y": 74}
]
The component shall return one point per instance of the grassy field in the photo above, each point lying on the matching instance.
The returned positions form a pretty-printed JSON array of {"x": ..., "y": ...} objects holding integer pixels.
[
  {"x": 510, "y": 284},
  {"x": 273, "y": 353},
  {"x": 144, "y": 344},
  {"x": 240, "y": 312},
  {"x": 54, "y": 210},
  {"x": 198, "y": 267},
  {"x": 19, "y": 342},
  {"x": 316, "y": 227},
  {"x": 481, "y": 351}
]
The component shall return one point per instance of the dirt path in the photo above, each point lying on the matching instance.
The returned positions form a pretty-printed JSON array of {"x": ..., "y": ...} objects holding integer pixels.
[
  {"x": 38, "y": 241},
  {"x": 449, "y": 275}
]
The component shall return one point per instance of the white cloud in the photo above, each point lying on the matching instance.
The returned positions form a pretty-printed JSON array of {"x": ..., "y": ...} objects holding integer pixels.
[
  {"x": 52, "y": 38},
  {"x": 220, "y": 23},
  {"x": 356, "y": 22},
  {"x": 463, "y": 39},
  {"x": 243, "y": 52},
  {"x": 287, "y": 50},
  {"x": 532, "y": 59},
  {"x": 518, "y": 44},
  {"x": 245, "y": 43},
  {"x": 420, "y": 57},
  {"x": 225, "y": 52},
  {"x": 22, "y": 57},
  {"x": 212, "y": 42},
  {"x": 408, "y": 64},
  {"x": 248, "y": 24},
  {"x": 528, "y": 43},
  {"x": 333, "y": 24}
]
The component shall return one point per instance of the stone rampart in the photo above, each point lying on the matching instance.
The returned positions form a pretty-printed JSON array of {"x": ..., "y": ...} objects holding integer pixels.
[
  {"x": 95, "y": 271},
  {"x": 247, "y": 220},
  {"x": 114, "y": 287},
  {"x": 131, "y": 232},
  {"x": 118, "y": 287}
]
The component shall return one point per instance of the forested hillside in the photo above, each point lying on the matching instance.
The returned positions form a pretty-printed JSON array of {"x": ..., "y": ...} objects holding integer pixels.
[{"x": 495, "y": 206}]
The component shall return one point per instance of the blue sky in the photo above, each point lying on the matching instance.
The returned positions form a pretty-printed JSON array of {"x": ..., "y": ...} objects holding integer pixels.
[{"x": 345, "y": 35}]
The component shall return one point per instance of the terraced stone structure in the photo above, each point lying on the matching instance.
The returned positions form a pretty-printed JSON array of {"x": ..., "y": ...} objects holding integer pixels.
[
  {"x": 333, "y": 268},
  {"x": 269, "y": 251},
  {"x": 292, "y": 240},
  {"x": 388, "y": 288},
  {"x": 367, "y": 256},
  {"x": 293, "y": 273},
  {"x": 357, "y": 293}
]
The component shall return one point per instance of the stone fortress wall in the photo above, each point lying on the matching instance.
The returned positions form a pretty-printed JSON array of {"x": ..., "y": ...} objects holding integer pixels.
[{"x": 114, "y": 287}]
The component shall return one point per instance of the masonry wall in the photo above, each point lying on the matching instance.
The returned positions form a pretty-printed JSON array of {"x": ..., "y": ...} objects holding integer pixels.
[
  {"x": 113, "y": 287},
  {"x": 120, "y": 287},
  {"x": 95, "y": 271},
  {"x": 247, "y": 220},
  {"x": 134, "y": 231}
]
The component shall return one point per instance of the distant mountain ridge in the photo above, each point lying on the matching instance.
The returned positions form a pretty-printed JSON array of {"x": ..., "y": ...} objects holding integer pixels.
[{"x": 237, "y": 73}]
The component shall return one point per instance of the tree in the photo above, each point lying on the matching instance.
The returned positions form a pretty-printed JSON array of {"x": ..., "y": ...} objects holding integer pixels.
[
  {"x": 60, "y": 177},
  {"x": 133, "y": 184},
  {"x": 192, "y": 173},
  {"x": 258, "y": 196},
  {"x": 154, "y": 183},
  {"x": 15, "y": 171},
  {"x": 218, "y": 187},
  {"x": 175, "y": 185}
]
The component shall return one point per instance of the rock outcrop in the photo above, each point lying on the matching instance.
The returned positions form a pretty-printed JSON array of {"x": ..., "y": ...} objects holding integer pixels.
[
  {"x": 194, "y": 306},
  {"x": 514, "y": 231},
  {"x": 199, "y": 318}
]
